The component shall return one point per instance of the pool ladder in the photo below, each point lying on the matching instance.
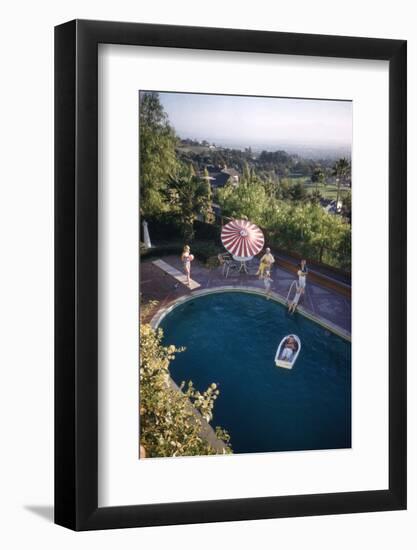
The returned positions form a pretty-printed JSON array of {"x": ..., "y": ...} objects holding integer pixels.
[{"x": 289, "y": 291}]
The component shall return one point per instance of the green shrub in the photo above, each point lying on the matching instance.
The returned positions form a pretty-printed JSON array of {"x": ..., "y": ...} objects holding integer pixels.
[
  {"x": 202, "y": 250},
  {"x": 161, "y": 250},
  {"x": 207, "y": 231},
  {"x": 168, "y": 424},
  {"x": 212, "y": 262}
]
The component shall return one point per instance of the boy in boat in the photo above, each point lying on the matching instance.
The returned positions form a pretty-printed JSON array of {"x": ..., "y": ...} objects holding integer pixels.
[{"x": 290, "y": 347}]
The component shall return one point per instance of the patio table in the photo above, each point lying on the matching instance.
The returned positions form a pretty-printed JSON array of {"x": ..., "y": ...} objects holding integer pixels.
[{"x": 243, "y": 262}]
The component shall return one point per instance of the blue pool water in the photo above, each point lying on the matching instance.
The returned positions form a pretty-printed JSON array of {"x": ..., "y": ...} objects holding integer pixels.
[{"x": 231, "y": 339}]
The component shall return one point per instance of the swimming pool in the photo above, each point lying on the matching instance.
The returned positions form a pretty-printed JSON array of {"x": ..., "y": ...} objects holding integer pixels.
[{"x": 231, "y": 339}]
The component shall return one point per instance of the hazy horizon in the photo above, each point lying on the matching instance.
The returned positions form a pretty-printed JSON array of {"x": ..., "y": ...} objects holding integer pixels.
[{"x": 310, "y": 125}]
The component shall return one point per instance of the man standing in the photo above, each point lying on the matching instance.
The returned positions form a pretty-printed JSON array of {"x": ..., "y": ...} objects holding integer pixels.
[{"x": 266, "y": 263}]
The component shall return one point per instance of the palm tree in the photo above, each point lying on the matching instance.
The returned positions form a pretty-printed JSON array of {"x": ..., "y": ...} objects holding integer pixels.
[
  {"x": 207, "y": 201},
  {"x": 317, "y": 177},
  {"x": 341, "y": 170},
  {"x": 190, "y": 196}
]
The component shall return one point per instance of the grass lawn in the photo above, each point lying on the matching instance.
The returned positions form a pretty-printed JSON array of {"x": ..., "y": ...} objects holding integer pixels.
[
  {"x": 327, "y": 191},
  {"x": 298, "y": 179}
]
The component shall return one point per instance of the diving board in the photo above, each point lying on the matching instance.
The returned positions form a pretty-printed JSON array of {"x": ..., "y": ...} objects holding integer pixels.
[{"x": 181, "y": 277}]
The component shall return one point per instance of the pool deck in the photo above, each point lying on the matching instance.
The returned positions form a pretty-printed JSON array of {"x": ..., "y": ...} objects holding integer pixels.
[{"x": 321, "y": 303}]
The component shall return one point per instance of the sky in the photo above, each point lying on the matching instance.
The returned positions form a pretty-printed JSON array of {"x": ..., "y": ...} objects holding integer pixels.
[{"x": 260, "y": 121}]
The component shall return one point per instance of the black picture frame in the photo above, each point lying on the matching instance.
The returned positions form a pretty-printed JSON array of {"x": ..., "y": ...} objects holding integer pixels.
[{"x": 76, "y": 272}]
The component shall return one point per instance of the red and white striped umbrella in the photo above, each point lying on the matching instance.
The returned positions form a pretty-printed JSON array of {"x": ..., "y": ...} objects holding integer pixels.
[{"x": 242, "y": 238}]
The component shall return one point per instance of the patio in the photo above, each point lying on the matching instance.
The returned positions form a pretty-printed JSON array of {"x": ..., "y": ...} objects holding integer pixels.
[{"x": 323, "y": 303}]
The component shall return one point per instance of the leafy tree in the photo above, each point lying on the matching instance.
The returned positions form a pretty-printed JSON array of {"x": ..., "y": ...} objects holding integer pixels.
[
  {"x": 328, "y": 232},
  {"x": 311, "y": 231},
  {"x": 249, "y": 199},
  {"x": 316, "y": 197},
  {"x": 347, "y": 206},
  {"x": 284, "y": 190},
  {"x": 317, "y": 177},
  {"x": 271, "y": 187},
  {"x": 209, "y": 216},
  {"x": 189, "y": 196},
  {"x": 246, "y": 174},
  {"x": 157, "y": 154},
  {"x": 290, "y": 191},
  {"x": 298, "y": 192},
  {"x": 169, "y": 424},
  {"x": 341, "y": 170},
  {"x": 218, "y": 158}
]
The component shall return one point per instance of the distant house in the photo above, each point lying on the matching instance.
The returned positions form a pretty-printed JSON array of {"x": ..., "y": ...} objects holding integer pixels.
[
  {"x": 220, "y": 177},
  {"x": 330, "y": 206},
  {"x": 232, "y": 173}
]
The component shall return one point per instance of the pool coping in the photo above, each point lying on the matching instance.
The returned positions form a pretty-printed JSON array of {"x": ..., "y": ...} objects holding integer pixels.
[{"x": 164, "y": 311}]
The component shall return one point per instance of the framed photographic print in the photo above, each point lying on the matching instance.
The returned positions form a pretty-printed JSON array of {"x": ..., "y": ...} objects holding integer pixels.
[{"x": 230, "y": 275}]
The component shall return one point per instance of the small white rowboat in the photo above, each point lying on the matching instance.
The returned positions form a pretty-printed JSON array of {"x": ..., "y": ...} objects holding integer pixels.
[{"x": 287, "y": 363}]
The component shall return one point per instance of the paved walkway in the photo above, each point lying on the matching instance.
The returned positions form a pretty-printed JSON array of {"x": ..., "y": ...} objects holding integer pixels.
[
  {"x": 156, "y": 284},
  {"x": 176, "y": 274}
]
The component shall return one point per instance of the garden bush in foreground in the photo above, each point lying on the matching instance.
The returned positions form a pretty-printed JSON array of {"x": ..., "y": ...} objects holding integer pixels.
[{"x": 169, "y": 425}]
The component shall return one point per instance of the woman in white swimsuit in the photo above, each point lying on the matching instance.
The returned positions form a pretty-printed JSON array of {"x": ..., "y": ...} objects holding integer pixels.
[
  {"x": 302, "y": 276},
  {"x": 186, "y": 258}
]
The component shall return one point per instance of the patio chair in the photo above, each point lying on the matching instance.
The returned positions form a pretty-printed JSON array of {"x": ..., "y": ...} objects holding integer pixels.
[
  {"x": 230, "y": 265},
  {"x": 223, "y": 261}
]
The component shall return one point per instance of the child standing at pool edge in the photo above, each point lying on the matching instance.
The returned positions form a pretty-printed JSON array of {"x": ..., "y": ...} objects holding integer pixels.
[{"x": 267, "y": 283}]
